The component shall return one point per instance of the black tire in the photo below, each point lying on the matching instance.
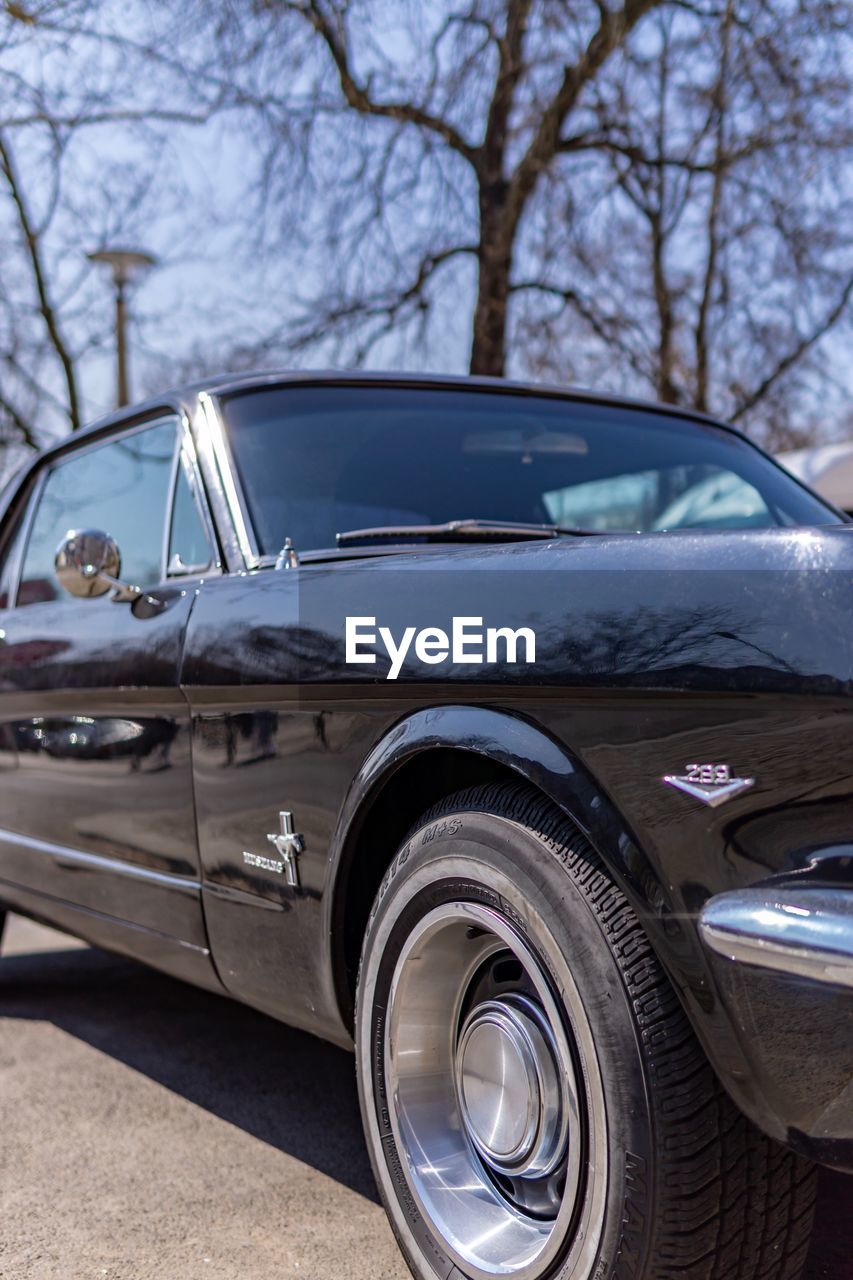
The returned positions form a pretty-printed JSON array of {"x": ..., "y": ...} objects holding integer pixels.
[{"x": 681, "y": 1184}]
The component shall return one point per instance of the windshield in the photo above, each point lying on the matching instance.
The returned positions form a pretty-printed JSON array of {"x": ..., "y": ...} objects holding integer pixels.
[{"x": 318, "y": 461}]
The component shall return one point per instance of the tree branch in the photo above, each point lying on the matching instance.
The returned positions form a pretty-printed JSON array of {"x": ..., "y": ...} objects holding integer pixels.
[
  {"x": 604, "y": 327},
  {"x": 378, "y": 304},
  {"x": 611, "y": 32},
  {"x": 720, "y": 104},
  {"x": 117, "y": 116},
  {"x": 33, "y": 247},
  {"x": 490, "y": 154},
  {"x": 795, "y": 354},
  {"x": 26, "y": 433},
  {"x": 357, "y": 95}
]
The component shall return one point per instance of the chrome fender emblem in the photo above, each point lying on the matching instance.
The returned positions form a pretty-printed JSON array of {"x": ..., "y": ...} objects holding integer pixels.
[
  {"x": 713, "y": 784},
  {"x": 287, "y": 844}
]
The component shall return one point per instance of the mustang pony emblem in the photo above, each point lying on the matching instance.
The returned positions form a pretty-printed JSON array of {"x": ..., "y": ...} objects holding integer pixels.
[
  {"x": 287, "y": 844},
  {"x": 713, "y": 784}
]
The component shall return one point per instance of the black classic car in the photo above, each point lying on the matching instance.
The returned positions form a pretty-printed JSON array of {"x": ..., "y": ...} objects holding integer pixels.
[{"x": 504, "y": 733}]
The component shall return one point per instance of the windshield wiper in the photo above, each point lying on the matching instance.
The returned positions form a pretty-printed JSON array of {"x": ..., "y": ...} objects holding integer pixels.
[{"x": 460, "y": 531}]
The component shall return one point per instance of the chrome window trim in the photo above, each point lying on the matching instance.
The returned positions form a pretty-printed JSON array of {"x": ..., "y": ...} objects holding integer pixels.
[{"x": 214, "y": 444}]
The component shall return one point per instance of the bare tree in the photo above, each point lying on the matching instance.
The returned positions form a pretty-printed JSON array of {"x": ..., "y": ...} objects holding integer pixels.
[
  {"x": 648, "y": 194},
  {"x": 415, "y": 139},
  {"x": 81, "y": 128},
  {"x": 32, "y": 231},
  {"x": 707, "y": 247}
]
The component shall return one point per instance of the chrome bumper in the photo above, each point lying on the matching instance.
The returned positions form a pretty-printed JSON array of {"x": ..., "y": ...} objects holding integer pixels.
[{"x": 798, "y": 930}]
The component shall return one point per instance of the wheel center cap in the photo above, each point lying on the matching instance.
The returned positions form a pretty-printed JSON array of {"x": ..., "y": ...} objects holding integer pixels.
[
  {"x": 498, "y": 1086},
  {"x": 510, "y": 1095}
]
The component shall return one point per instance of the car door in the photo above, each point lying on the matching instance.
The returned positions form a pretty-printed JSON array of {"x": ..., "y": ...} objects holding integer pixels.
[{"x": 97, "y": 828}]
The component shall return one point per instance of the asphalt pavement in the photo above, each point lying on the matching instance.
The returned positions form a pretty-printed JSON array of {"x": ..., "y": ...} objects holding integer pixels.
[{"x": 150, "y": 1131}]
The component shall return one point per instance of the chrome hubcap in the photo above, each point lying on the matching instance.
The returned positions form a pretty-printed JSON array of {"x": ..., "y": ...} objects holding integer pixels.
[
  {"x": 509, "y": 1091},
  {"x": 483, "y": 1098}
]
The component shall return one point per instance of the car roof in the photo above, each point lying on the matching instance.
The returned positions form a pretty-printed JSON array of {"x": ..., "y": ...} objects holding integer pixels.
[{"x": 230, "y": 383}]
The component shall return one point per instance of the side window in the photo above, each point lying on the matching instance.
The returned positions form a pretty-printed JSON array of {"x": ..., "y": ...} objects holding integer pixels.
[
  {"x": 120, "y": 487},
  {"x": 189, "y": 547}
]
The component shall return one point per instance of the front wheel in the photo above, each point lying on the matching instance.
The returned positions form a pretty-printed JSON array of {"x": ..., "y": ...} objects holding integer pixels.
[{"x": 534, "y": 1100}]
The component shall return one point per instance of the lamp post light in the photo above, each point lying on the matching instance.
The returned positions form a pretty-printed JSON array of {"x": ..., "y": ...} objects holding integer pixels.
[{"x": 124, "y": 264}]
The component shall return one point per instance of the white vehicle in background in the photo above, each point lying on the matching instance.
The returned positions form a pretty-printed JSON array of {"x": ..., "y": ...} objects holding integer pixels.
[{"x": 828, "y": 469}]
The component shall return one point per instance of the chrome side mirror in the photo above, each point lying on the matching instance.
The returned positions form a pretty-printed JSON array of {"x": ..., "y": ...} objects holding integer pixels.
[{"x": 87, "y": 564}]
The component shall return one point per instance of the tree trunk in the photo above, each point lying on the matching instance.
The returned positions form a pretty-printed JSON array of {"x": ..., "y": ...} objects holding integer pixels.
[
  {"x": 666, "y": 390},
  {"x": 494, "y": 258}
]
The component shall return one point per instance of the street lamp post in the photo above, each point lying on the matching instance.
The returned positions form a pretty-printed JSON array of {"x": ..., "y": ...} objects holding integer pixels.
[{"x": 124, "y": 264}]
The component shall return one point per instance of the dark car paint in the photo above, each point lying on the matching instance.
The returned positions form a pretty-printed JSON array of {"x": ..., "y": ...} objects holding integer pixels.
[
  {"x": 694, "y": 662},
  {"x": 90, "y": 821},
  {"x": 656, "y": 650}
]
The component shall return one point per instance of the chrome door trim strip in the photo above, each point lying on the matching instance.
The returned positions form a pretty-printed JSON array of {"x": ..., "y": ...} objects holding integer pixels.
[
  {"x": 100, "y": 862},
  {"x": 27, "y": 890}
]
